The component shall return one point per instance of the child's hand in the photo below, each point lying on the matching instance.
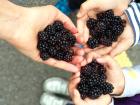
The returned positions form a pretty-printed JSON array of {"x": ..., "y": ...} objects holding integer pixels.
[
  {"x": 75, "y": 95},
  {"x": 90, "y": 8},
  {"x": 114, "y": 74}
]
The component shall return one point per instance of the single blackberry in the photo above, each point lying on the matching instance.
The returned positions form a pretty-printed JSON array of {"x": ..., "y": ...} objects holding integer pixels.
[
  {"x": 42, "y": 36},
  {"x": 106, "y": 42},
  {"x": 49, "y": 30},
  {"x": 86, "y": 70},
  {"x": 101, "y": 27},
  {"x": 67, "y": 56},
  {"x": 58, "y": 26},
  {"x": 52, "y": 51},
  {"x": 59, "y": 55},
  {"x": 83, "y": 88},
  {"x": 52, "y": 41},
  {"x": 118, "y": 29},
  {"x": 42, "y": 46},
  {"x": 94, "y": 34},
  {"x": 91, "y": 23},
  {"x": 92, "y": 43},
  {"x": 94, "y": 93},
  {"x": 107, "y": 88},
  {"x": 44, "y": 56},
  {"x": 71, "y": 39}
]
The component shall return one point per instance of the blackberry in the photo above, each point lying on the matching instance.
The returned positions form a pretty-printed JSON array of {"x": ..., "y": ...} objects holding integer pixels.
[
  {"x": 101, "y": 27},
  {"x": 91, "y": 23},
  {"x": 105, "y": 29},
  {"x": 49, "y": 30},
  {"x": 44, "y": 56},
  {"x": 93, "y": 81},
  {"x": 71, "y": 39},
  {"x": 67, "y": 56},
  {"x": 106, "y": 42},
  {"x": 58, "y": 26},
  {"x": 94, "y": 93},
  {"x": 42, "y": 36},
  {"x": 55, "y": 42},
  {"x": 42, "y": 46},
  {"x": 107, "y": 88},
  {"x": 92, "y": 43}
]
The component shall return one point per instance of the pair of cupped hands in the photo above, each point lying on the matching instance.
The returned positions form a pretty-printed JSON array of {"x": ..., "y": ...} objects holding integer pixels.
[{"x": 22, "y": 32}]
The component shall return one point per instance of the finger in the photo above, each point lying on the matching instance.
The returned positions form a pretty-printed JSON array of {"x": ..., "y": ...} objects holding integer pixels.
[
  {"x": 81, "y": 22},
  {"x": 77, "y": 60},
  {"x": 92, "y": 55},
  {"x": 67, "y": 22},
  {"x": 107, "y": 61},
  {"x": 103, "y": 50},
  {"x": 62, "y": 65},
  {"x": 84, "y": 62},
  {"x": 72, "y": 85},
  {"x": 74, "y": 76},
  {"x": 77, "y": 98},
  {"x": 86, "y": 34},
  {"x": 85, "y": 8}
]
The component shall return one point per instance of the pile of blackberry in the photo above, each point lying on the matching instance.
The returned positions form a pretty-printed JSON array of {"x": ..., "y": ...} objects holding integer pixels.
[
  {"x": 105, "y": 29},
  {"x": 93, "y": 81},
  {"x": 55, "y": 41}
]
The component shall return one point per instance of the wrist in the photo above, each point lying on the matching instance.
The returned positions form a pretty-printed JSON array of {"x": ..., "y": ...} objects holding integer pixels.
[{"x": 10, "y": 14}]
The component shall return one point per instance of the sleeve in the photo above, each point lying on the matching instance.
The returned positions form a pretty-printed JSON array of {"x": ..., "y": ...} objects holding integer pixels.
[
  {"x": 133, "y": 14},
  {"x": 132, "y": 80}
]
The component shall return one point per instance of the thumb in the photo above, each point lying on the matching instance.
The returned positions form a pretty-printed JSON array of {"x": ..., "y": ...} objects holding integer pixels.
[
  {"x": 108, "y": 61},
  {"x": 86, "y": 7},
  {"x": 76, "y": 97},
  {"x": 67, "y": 22}
]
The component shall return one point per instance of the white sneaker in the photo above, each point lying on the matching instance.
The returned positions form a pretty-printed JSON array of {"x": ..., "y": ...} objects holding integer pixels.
[
  {"x": 56, "y": 85},
  {"x": 50, "y": 99}
]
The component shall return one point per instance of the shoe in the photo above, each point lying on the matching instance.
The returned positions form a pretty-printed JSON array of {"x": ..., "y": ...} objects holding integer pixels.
[
  {"x": 63, "y": 6},
  {"x": 56, "y": 85},
  {"x": 50, "y": 99}
]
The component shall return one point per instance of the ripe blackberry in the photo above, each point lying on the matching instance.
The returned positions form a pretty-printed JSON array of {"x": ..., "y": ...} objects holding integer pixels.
[
  {"x": 107, "y": 88},
  {"x": 107, "y": 29},
  {"x": 94, "y": 93},
  {"x": 42, "y": 36},
  {"x": 106, "y": 42},
  {"x": 71, "y": 39},
  {"x": 92, "y": 43},
  {"x": 58, "y": 26},
  {"x": 67, "y": 56},
  {"x": 44, "y": 56},
  {"x": 101, "y": 27},
  {"x": 55, "y": 41},
  {"x": 52, "y": 51},
  {"x": 49, "y": 30},
  {"x": 42, "y": 46},
  {"x": 91, "y": 23},
  {"x": 93, "y": 81}
]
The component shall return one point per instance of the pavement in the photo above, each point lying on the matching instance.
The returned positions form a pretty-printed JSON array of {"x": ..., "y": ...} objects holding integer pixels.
[{"x": 21, "y": 79}]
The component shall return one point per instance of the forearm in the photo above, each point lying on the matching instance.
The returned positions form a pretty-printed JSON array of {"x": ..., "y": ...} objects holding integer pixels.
[
  {"x": 133, "y": 13},
  {"x": 132, "y": 78},
  {"x": 9, "y": 15}
]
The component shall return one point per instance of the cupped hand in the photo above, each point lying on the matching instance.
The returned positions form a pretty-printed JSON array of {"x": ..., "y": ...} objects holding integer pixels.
[
  {"x": 114, "y": 74},
  {"x": 75, "y": 95},
  {"x": 90, "y": 8},
  {"x": 25, "y": 29}
]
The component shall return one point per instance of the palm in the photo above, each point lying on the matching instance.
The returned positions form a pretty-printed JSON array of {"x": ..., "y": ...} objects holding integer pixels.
[{"x": 35, "y": 20}]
